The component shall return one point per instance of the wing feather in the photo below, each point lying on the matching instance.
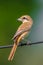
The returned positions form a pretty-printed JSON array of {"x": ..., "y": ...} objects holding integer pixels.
[{"x": 22, "y": 28}]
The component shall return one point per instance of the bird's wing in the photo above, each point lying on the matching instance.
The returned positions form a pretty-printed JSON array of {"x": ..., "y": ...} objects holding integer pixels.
[
  {"x": 23, "y": 28},
  {"x": 19, "y": 33}
]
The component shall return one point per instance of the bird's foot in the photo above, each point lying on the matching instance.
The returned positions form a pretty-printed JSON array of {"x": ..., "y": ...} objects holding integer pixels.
[{"x": 28, "y": 42}]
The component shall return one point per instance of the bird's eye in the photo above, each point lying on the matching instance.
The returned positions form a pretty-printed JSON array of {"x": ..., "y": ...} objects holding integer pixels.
[{"x": 24, "y": 18}]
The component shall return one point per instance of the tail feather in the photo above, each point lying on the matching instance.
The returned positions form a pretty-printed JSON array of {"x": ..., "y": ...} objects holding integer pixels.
[{"x": 12, "y": 53}]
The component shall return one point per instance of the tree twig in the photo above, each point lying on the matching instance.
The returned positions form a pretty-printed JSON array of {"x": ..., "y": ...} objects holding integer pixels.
[{"x": 22, "y": 44}]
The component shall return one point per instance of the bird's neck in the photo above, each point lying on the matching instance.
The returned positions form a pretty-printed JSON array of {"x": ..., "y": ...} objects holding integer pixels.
[{"x": 28, "y": 22}]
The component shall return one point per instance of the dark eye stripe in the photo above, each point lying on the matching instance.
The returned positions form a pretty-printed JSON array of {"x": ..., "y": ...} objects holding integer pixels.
[{"x": 25, "y": 18}]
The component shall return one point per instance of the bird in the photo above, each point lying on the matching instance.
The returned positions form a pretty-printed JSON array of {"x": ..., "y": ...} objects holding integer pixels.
[{"x": 21, "y": 32}]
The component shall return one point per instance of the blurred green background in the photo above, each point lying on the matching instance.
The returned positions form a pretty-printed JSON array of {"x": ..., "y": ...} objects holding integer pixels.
[{"x": 10, "y": 10}]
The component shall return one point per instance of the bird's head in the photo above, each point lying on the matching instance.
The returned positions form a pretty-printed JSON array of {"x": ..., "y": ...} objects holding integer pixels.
[{"x": 25, "y": 18}]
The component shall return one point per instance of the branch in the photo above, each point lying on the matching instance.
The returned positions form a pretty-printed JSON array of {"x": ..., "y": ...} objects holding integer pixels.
[{"x": 22, "y": 44}]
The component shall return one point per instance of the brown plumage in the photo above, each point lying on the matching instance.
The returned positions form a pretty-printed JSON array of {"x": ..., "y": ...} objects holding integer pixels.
[{"x": 21, "y": 33}]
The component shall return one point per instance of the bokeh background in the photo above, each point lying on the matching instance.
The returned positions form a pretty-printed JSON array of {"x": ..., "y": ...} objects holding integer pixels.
[{"x": 10, "y": 10}]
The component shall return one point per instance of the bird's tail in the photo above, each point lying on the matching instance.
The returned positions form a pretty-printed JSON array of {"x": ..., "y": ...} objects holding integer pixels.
[{"x": 12, "y": 53}]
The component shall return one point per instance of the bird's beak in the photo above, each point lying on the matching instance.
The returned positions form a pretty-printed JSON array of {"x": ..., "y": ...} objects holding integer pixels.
[{"x": 19, "y": 19}]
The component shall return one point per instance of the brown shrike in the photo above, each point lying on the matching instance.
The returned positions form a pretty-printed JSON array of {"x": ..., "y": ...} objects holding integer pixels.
[{"x": 22, "y": 31}]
